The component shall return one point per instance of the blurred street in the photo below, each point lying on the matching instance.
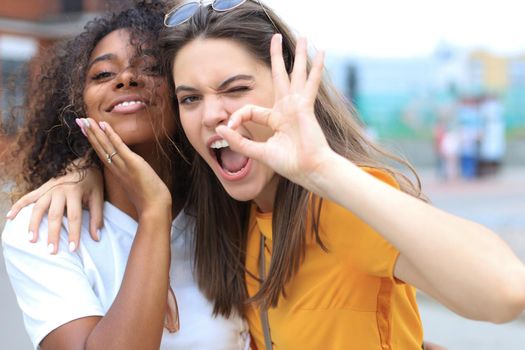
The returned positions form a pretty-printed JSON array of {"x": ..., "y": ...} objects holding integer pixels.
[{"x": 498, "y": 203}]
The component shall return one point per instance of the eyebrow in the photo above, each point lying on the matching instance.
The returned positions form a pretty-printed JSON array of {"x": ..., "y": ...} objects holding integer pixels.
[
  {"x": 235, "y": 78},
  {"x": 222, "y": 85},
  {"x": 106, "y": 57}
]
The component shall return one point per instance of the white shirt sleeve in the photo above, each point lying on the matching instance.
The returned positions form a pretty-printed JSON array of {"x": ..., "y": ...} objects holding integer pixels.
[{"x": 50, "y": 289}]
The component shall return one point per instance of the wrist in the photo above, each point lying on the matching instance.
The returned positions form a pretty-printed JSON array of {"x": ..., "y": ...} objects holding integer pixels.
[
  {"x": 326, "y": 164},
  {"x": 156, "y": 211}
]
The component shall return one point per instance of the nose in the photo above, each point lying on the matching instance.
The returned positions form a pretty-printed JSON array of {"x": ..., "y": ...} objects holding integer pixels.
[
  {"x": 128, "y": 79},
  {"x": 214, "y": 112}
]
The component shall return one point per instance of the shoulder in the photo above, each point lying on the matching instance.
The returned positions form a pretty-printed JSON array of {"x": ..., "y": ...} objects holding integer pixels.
[
  {"x": 336, "y": 213},
  {"x": 16, "y": 231},
  {"x": 15, "y": 236}
]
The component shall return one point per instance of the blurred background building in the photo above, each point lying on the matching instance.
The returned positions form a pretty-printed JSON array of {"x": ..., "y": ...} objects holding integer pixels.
[
  {"x": 27, "y": 28},
  {"x": 404, "y": 98}
]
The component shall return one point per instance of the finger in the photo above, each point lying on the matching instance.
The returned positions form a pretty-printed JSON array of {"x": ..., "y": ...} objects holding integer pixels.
[
  {"x": 281, "y": 81},
  {"x": 123, "y": 151},
  {"x": 315, "y": 77},
  {"x": 95, "y": 205},
  {"x": 101, "y": 143},
  {"x": 257, "y": 114},
  {"x": 74, "y": 220},
  {"x": 299, "y": 67},
  {"x": 54, "y": 218},
  {"x": 27, "y": 199},
  {"x": 87, "y": 127},
  {"x": 240, "y": 144},
  {"x": 39, "y": 210}
]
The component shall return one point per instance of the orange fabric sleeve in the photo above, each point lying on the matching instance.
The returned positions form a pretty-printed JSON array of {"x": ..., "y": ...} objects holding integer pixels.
[{"x": 354, "y": 241}]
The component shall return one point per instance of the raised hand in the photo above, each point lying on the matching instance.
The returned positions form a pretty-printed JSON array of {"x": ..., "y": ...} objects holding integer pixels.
[
  {"x": 143, "y": 186},
  {"x": 298, "y": 146}
]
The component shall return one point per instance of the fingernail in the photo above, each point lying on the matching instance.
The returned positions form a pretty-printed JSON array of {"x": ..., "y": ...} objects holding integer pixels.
[
  {"x": 81, "y": 126},
  {"x": 230, "y": 123},
  {"x": 280, "y": 37},
  {"x": 72, "y": 246},
  {"x": 51, "y": 248},
  {"x": 102, "y": 126},
  {"x": 8, "y": 213},
  {"x": 98, "y": 235},
  {"x": 30, "y": 236},
  {"x": 85, "y": 122}
]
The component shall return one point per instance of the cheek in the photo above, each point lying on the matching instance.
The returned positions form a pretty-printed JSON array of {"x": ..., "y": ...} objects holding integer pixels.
[
  {"x": 191, "y": 129},
  {"x": 90, "y": 98}
]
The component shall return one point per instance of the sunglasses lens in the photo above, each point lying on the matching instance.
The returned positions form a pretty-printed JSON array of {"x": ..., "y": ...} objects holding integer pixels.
[
  {"x": 225, "y": 5},
  {"x": 181, "y": 15}
]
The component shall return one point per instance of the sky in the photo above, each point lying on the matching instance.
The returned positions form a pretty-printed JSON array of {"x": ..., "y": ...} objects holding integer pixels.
[{"x": 406, "y": 28}]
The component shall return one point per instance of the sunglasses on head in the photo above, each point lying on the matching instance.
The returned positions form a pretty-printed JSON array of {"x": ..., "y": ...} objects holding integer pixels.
[{"x": 184, "y": 12}]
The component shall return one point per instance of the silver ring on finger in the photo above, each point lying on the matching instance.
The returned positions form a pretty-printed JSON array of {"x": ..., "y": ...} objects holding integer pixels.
[{"x": 109, "y": 156}]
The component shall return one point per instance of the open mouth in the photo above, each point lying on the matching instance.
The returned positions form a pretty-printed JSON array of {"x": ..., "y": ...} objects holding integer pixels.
[{"x": 231, "y": 162}]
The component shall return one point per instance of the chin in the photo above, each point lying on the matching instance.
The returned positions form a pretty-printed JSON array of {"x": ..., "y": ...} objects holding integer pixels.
[
  {"x": 134, "y": 139},
  {"x": 240, "y": 194}
]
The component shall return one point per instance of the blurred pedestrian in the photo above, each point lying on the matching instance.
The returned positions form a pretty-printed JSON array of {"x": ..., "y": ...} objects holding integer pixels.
[
  {"x": 469, "y": 133},
  {"x": 492, "y": 141}
]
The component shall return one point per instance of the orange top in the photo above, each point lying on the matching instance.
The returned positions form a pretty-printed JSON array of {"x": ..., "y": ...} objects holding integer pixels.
[{"x": 347, "y": 298}]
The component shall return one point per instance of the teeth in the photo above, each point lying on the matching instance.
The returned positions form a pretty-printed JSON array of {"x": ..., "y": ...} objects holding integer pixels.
[
  {"x": 129, "y": 103},
  {"x": 220, "y": 144}
]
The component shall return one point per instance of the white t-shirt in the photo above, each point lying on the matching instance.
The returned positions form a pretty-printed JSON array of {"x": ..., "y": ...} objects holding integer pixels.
[{"x": 55, "y": 289}]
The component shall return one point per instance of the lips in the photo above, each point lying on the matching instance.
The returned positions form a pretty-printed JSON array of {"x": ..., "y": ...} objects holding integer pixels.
[
  {"x": 232, "y": 165},
  {"x": 127, "y": 104}
]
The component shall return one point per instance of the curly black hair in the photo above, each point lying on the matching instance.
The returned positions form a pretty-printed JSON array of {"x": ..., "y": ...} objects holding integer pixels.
[{"x": 50, "y": 141}]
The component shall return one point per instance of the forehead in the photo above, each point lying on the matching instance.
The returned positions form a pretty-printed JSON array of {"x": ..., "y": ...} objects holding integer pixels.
[
  {"x": 116, "y": 42},
  {"x": 213, "y": 59}
]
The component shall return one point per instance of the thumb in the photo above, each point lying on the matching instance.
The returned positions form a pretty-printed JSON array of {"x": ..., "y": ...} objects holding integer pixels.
[{"x": 241, "y": 144}]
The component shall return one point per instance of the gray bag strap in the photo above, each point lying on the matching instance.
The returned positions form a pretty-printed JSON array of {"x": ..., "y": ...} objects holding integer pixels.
[{"x": 264, "y": 312}]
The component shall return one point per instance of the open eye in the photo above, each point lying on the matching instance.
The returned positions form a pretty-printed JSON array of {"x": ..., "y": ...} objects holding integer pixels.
[{"x": 186, "y": 100}]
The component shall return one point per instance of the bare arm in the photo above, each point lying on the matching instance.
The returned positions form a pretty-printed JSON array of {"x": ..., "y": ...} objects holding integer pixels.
[
  {"x": 136, "y": 318},
  {"x": 464, "y": 265}
]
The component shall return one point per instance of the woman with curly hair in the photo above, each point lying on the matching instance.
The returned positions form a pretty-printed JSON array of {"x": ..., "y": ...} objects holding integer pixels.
[{"x": 113, "y": 292}]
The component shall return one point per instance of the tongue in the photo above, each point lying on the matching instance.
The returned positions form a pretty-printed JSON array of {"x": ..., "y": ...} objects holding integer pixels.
[{"x": 232, "y": 161}]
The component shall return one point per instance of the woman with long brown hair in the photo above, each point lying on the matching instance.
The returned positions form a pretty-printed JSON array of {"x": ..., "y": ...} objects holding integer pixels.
[{"x": 335, "y": 240}]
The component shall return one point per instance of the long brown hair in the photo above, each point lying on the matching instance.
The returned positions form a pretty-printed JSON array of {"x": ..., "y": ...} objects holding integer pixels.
[{"x": 221, "y": 220}]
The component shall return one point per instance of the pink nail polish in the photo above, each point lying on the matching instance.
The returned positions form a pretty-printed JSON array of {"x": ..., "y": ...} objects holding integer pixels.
[
  {"x": 102, "y": 126},
  {"x": 81, "y": 126}
]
